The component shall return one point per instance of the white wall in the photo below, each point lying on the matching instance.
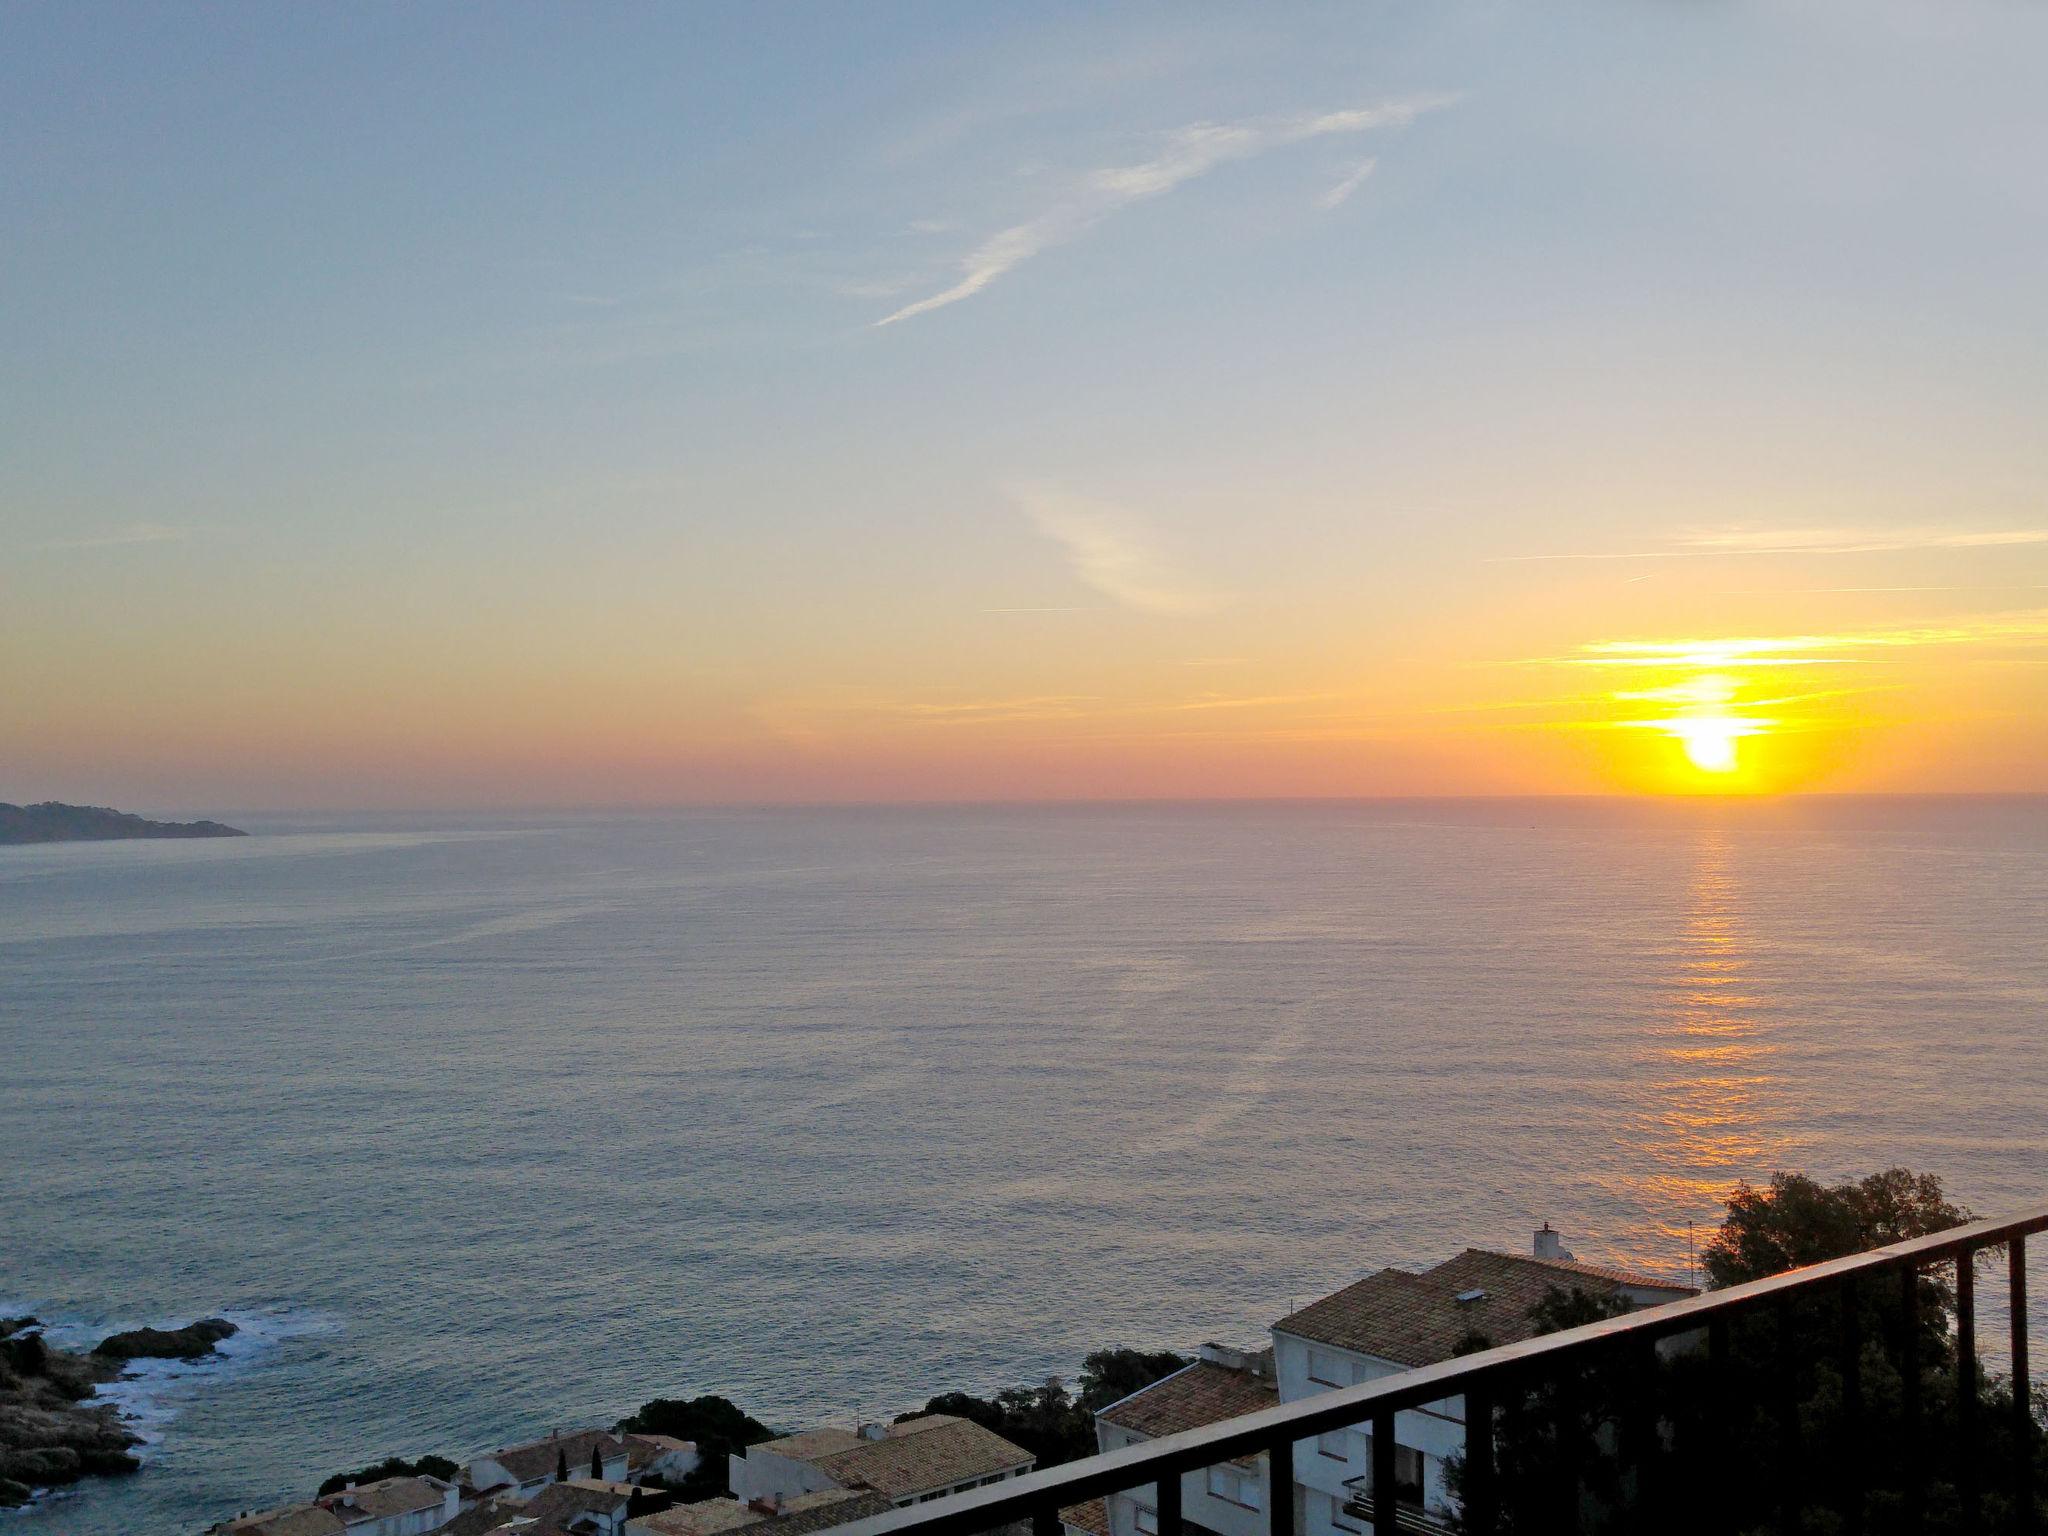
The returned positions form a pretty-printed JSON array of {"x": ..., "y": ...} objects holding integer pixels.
[
  {"x": 1224, "y": 1516},
  {"x": 1437, "y": 1430},
  {"x": 764, "y": 1474}
]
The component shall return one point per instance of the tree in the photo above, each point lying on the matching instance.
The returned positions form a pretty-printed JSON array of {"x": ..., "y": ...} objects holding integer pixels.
[
  {"x": 717, "y": 1426},
  {"x": 561, "y": 1463},
  {"x": 1048, "y": 1420},
  {"x": 1723, "y": 1446},
  {"x": 597, "y": 1460},
  {"x": 1798, "y": 1221}
]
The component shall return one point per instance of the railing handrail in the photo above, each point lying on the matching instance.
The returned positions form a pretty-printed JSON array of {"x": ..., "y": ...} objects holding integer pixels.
[{"x": 1135, "y": 1466}]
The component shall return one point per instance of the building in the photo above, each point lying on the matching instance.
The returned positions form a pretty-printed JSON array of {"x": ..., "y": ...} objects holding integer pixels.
[
  {"x": 393, "y": 1506},
  {"x": 525, "y": 1469},
  {"x": 1397, "y": 1320},
  {"x": 579, "y": 1506},
  {"x": 799, "y": 1516},
  {"x": 659, "y": 1456},
  {"x": 288, "y": 1520},
  {"x": 907, "y": 1463},
  {"x": 1226, "y": 1500}
]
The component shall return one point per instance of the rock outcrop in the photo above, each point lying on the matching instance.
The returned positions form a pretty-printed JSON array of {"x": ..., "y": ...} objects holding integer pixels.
[
  {"x": 194, "y": 1341},
  {"x": 51, "y": 1430}
]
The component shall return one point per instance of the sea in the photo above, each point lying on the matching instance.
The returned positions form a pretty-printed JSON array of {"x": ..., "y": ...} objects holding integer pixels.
[{"x": 485, "y": 1125}]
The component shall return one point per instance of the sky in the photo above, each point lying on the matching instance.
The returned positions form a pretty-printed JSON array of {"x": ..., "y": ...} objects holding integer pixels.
[{"x": 640, "y": 405}]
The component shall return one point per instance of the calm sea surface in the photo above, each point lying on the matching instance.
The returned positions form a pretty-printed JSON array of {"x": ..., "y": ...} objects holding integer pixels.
[{"x": 487, "y": 1126}]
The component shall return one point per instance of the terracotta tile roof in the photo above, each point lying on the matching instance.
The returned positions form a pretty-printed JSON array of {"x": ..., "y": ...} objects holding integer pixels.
[
  {"x": 641, "y": 1450},
  {"x": 539, "y": 1458},
  {"x": 561, "y": 1503},
  {"x": 1413, "y": 1319},
  {"x": 802, "y": 1515},
  {"x": 821, "y": 1511},
  {"x": 810, "y": 1444},
  {"x": 291, "y": 1520},
  {"x": 1196, "y": 1395},
  {"x": 382, "y": 1499},
  {"x": 493, "y": 1511},
  {"x": 923, "y": 1454},
  {"x": 1091, "y": 1517},
  {"x": 1624, "y": 1277},
  {"x": 702, "y": 1518}
]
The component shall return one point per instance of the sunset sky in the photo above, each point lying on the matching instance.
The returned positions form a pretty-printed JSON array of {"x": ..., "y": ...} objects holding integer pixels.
[{"x": 554, "y": 405}]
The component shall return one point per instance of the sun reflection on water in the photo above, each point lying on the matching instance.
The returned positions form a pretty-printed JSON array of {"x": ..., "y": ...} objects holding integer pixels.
[{"x": 1711, "y": 1118}]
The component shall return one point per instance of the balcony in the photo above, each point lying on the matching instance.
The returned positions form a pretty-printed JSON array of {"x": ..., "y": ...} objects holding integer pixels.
[{"x": 1650, "y": 1398}]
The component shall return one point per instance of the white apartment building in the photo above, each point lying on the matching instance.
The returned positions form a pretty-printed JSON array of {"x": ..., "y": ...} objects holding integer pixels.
[
  {"x": 1397, "y": 1320},
  {"x": 1226, "y": 1500}
]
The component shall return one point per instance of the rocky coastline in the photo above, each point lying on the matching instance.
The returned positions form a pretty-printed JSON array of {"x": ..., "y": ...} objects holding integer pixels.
[
  {"x": 52, "y": 821},
  {"x": 53, "y": 1431}
]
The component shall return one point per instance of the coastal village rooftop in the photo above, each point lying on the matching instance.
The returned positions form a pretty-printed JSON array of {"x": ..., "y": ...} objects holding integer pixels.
[{"x": 1420, "y": 1319}]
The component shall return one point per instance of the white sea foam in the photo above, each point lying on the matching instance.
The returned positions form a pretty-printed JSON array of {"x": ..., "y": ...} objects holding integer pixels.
[{"x": 149, "y": 1394}]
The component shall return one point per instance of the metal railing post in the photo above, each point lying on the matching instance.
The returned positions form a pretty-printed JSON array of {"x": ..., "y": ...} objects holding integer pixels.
[
  {"x": 2022, "y": 1388},
  {"x": 1913, "y": 1463},
  {"x": 1385, "y": 1518},
  {"x": 1280, "y": 1500},
  {"x": 1719, "y": 1499},
  {"x": 1482, "y": 1505},
  {"x": 1850, "y": 1447},
  {"x": 1169, "y": 1505},
  {"x": 1789, "y": 1463},
  {"x": 1045, "y": 1520},
  {"x": 1966, "y": 1385}
]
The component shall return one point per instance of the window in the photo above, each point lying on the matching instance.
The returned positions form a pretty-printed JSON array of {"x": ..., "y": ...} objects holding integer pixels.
[
  {"x": 1337, "y": 1518},
  {"x": 1148, "y": 1521},
  {"x": 1336, "y": 1445},
  {"x": 1235, "y": 1485},
  {"x": 1328, "y": 1369},
  {"x": 1410, "y": 1473}
]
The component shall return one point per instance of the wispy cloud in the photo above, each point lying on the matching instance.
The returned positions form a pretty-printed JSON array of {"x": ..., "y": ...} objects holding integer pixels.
[
  {"x": 1852, "y": 541},
  {"x": 1112, "y": 551},
  {"x": 1187, "y": 154},
  {"x": 1700, "y": 542},
  {"x": 2026, "y": 627},
  {"x": 114, "y": 538},
  {"x": 1340, "y": 193}
]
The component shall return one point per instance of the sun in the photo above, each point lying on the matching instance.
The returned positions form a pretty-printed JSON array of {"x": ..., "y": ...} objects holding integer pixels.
[
  {"x": 1708, "y": 741},
  {"x": 1705, "y": 716}
]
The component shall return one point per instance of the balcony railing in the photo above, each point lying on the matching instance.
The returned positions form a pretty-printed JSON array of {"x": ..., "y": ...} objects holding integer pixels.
[{"x": 1485, "y": 1381}]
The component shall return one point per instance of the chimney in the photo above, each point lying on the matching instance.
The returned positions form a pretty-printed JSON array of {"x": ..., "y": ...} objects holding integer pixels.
[
  {"x": 1252, "y": 1362},
  {"x": 1550, "y": 1243}
]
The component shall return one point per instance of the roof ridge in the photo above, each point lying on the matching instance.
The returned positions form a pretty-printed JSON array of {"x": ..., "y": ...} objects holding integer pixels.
[{"x": 1169, "y": 1376}]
